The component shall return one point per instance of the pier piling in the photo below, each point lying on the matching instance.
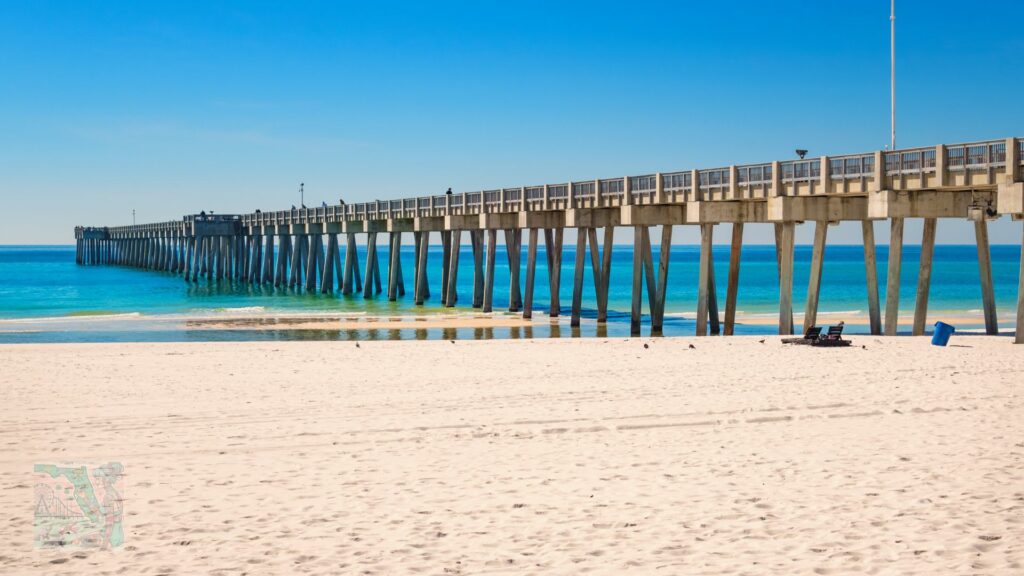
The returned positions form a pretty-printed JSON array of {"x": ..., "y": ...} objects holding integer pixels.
[
  {"x": 924, "y": 276},
  {"x": 733, "y": 282},
  {"x": 892, "y": 282},
  {"x": 814, "y": 282}
]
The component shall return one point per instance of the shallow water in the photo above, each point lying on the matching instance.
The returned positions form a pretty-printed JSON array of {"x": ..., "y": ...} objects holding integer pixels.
[{"x": 46, "y": 297}]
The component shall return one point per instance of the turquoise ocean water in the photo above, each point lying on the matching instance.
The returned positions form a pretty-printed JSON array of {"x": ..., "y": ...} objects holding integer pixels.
[{"x": 46, "y": 297}]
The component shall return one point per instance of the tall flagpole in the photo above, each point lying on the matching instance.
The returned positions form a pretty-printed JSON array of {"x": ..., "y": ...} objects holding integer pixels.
[{"x": 892, "y": 64}]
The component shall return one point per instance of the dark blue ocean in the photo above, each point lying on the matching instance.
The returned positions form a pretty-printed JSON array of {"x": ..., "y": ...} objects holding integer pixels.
[{"x": 46, "y": 297}]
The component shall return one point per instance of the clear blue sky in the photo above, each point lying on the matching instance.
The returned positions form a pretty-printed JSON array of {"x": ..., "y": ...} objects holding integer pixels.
[{"x": 174, "y": 107}]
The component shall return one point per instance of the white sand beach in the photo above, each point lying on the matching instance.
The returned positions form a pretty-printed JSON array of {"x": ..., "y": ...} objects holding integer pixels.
[{"x": 650, "y": 456}]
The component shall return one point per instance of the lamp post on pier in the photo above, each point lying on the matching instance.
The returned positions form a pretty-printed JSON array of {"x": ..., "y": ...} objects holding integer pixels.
[{"x": 892, "y": 71}]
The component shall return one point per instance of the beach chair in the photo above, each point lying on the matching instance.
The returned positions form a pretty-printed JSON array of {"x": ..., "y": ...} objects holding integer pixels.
[
  {"x": 812, "y": 335},
  {"x": 834, "y": 337}
]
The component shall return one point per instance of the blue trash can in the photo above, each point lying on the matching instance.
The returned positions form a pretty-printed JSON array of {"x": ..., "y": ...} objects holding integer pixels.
[{"x": 942, "y": 333}]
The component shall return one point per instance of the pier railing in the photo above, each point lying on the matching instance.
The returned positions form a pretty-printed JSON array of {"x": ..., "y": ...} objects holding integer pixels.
[{"x": 962, "y": 166}]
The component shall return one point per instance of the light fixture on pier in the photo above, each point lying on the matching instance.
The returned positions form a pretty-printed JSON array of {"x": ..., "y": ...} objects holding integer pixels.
[
  {"x": 801, "y": 153},
  {"x": 980, "y": 212}
]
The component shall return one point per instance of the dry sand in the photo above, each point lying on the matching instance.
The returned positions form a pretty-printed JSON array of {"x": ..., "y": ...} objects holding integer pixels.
[{"x": 544, "y": 457}]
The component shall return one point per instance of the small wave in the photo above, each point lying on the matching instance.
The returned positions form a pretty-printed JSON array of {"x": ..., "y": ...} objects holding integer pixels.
[
  {"x": 259, "y": 312},
  {"x": 77, "y": 316},
  {"x": 240, "y": 309},
  {"x": 101, "y": 313}
]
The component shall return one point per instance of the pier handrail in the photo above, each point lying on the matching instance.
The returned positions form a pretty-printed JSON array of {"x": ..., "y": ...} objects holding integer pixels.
[{"x": 674, "y": 187}]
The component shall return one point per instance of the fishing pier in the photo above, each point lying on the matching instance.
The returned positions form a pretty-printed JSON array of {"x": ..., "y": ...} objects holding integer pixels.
[{"x": 314, "y": 249}]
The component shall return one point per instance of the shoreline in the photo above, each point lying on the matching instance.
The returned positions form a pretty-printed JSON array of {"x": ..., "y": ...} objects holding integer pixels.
[{"x": 440, "y": 319}]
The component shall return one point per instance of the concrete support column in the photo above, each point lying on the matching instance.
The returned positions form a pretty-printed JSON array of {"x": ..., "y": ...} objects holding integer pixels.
[
  {"x": 814, "y": 283},
  {"x": 1019, "y": 339},
  {"x": 312, "y": 260},
  {"x": 446, "y": 260},
  {"x": 477, "y": 238},
  {"x": 399, "y": 278},
  {"x": 577, "y": 279},
  {"x": 988, "y": 296},
  {"x": 295, "y": 265},
  {"x": 892, "y": 283},
  {"x": 452, "y": 295},
  {"x": 417, "y": 239},
  {"x": 785, "y": 251},
  {"x": 172, "y": 247},
  {"x": 514, "y": 254},
  {"x": 649, "y": 280},
  {"x": 871, "y": 274},
  {"x": 531, "y": 270},
  {"x": 371, "y": 264},
  {"x": 924, "y": 277},
  {"x": 606, "y": 272},
  {"x": 305, "y": 253},
  {"x": 779, "y": 249},
  {"x": 492, "y": 241},
  {"x": 283, "y": 257},
  {"x": 246, "y": 248},
  {"x": 190, "y": 247},
  {"x": 351, "y": 280},
  {"x": 732, "y": 288},
  {"x": 258, "y": 259},
  {"x": 268, "y": 259},
  {"x": 595, "y": 268},
  {"x": 704, "y": 275},
  {"x": 229, "y": 257},
  {"x": 338, "y": 270},
  {"x": 375, "y": 261},
  {"x": 395, "y": 266},
  {"x": 420, "y": 290},
  {"x": 225, "y": 256},
  {"x": 553, "y": 248},
  {"x": 636, "y": 309},
  {"x": 327, "y": 279},
  {"x": 236, "y": 257},
  {"x": 210, "y": 264},
  {"x": 255, "y": 258},
  {"x": 658, "y": 307}
]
